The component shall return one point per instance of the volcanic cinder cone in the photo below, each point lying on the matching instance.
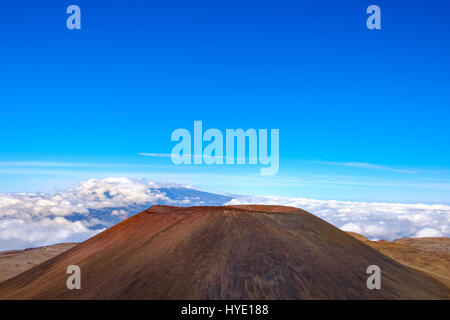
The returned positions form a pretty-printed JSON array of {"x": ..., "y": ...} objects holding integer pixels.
[{"x": 240, "y": 252}]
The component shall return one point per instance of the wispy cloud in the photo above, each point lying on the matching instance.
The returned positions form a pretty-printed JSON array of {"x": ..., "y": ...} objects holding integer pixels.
[
  {"x": 155, "y": 155},
  {"x": 365, "y": 165},
  {"x": 193, "y": 156},
  {"x": 168, "y": 155},
  {"x": 51, "y": 164}
]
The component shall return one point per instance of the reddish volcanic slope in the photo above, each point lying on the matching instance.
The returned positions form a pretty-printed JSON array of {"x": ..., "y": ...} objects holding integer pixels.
[{"x": 239, "y": 252}]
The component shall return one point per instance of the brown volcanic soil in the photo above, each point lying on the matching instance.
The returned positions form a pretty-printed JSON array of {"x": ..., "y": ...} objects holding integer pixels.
[
  {"x": 430, "y": 255},
  {"x": 14, "y": 262},
  {"x": 246, "y": 252},
  {"x": 438, "y": 244}
]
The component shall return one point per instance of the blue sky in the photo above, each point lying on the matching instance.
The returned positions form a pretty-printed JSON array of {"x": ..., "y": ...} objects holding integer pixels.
[{"x": 363, "y": 114}]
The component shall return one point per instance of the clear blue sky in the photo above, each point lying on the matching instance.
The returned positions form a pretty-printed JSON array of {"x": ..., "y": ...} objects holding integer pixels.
[{"x": 363, "y": 115}]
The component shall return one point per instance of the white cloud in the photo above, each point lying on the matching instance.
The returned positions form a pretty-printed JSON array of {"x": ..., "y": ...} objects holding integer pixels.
[
  {"x": 352, "y": 227},
  {"x": 428, "y": 232},
  {"x": 371, "y": 219},
  {"x": 32, "y": 219},
  {"x": 18, "y": 233},
  {"x": 375, "y": 231},
  {"x": 90, "y": 194}
]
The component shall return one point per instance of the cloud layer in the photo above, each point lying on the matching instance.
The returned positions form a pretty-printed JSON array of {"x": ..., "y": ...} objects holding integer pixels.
[
  {"x": 373, "y": 220},
  {"x": 31, "y": 219}
]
